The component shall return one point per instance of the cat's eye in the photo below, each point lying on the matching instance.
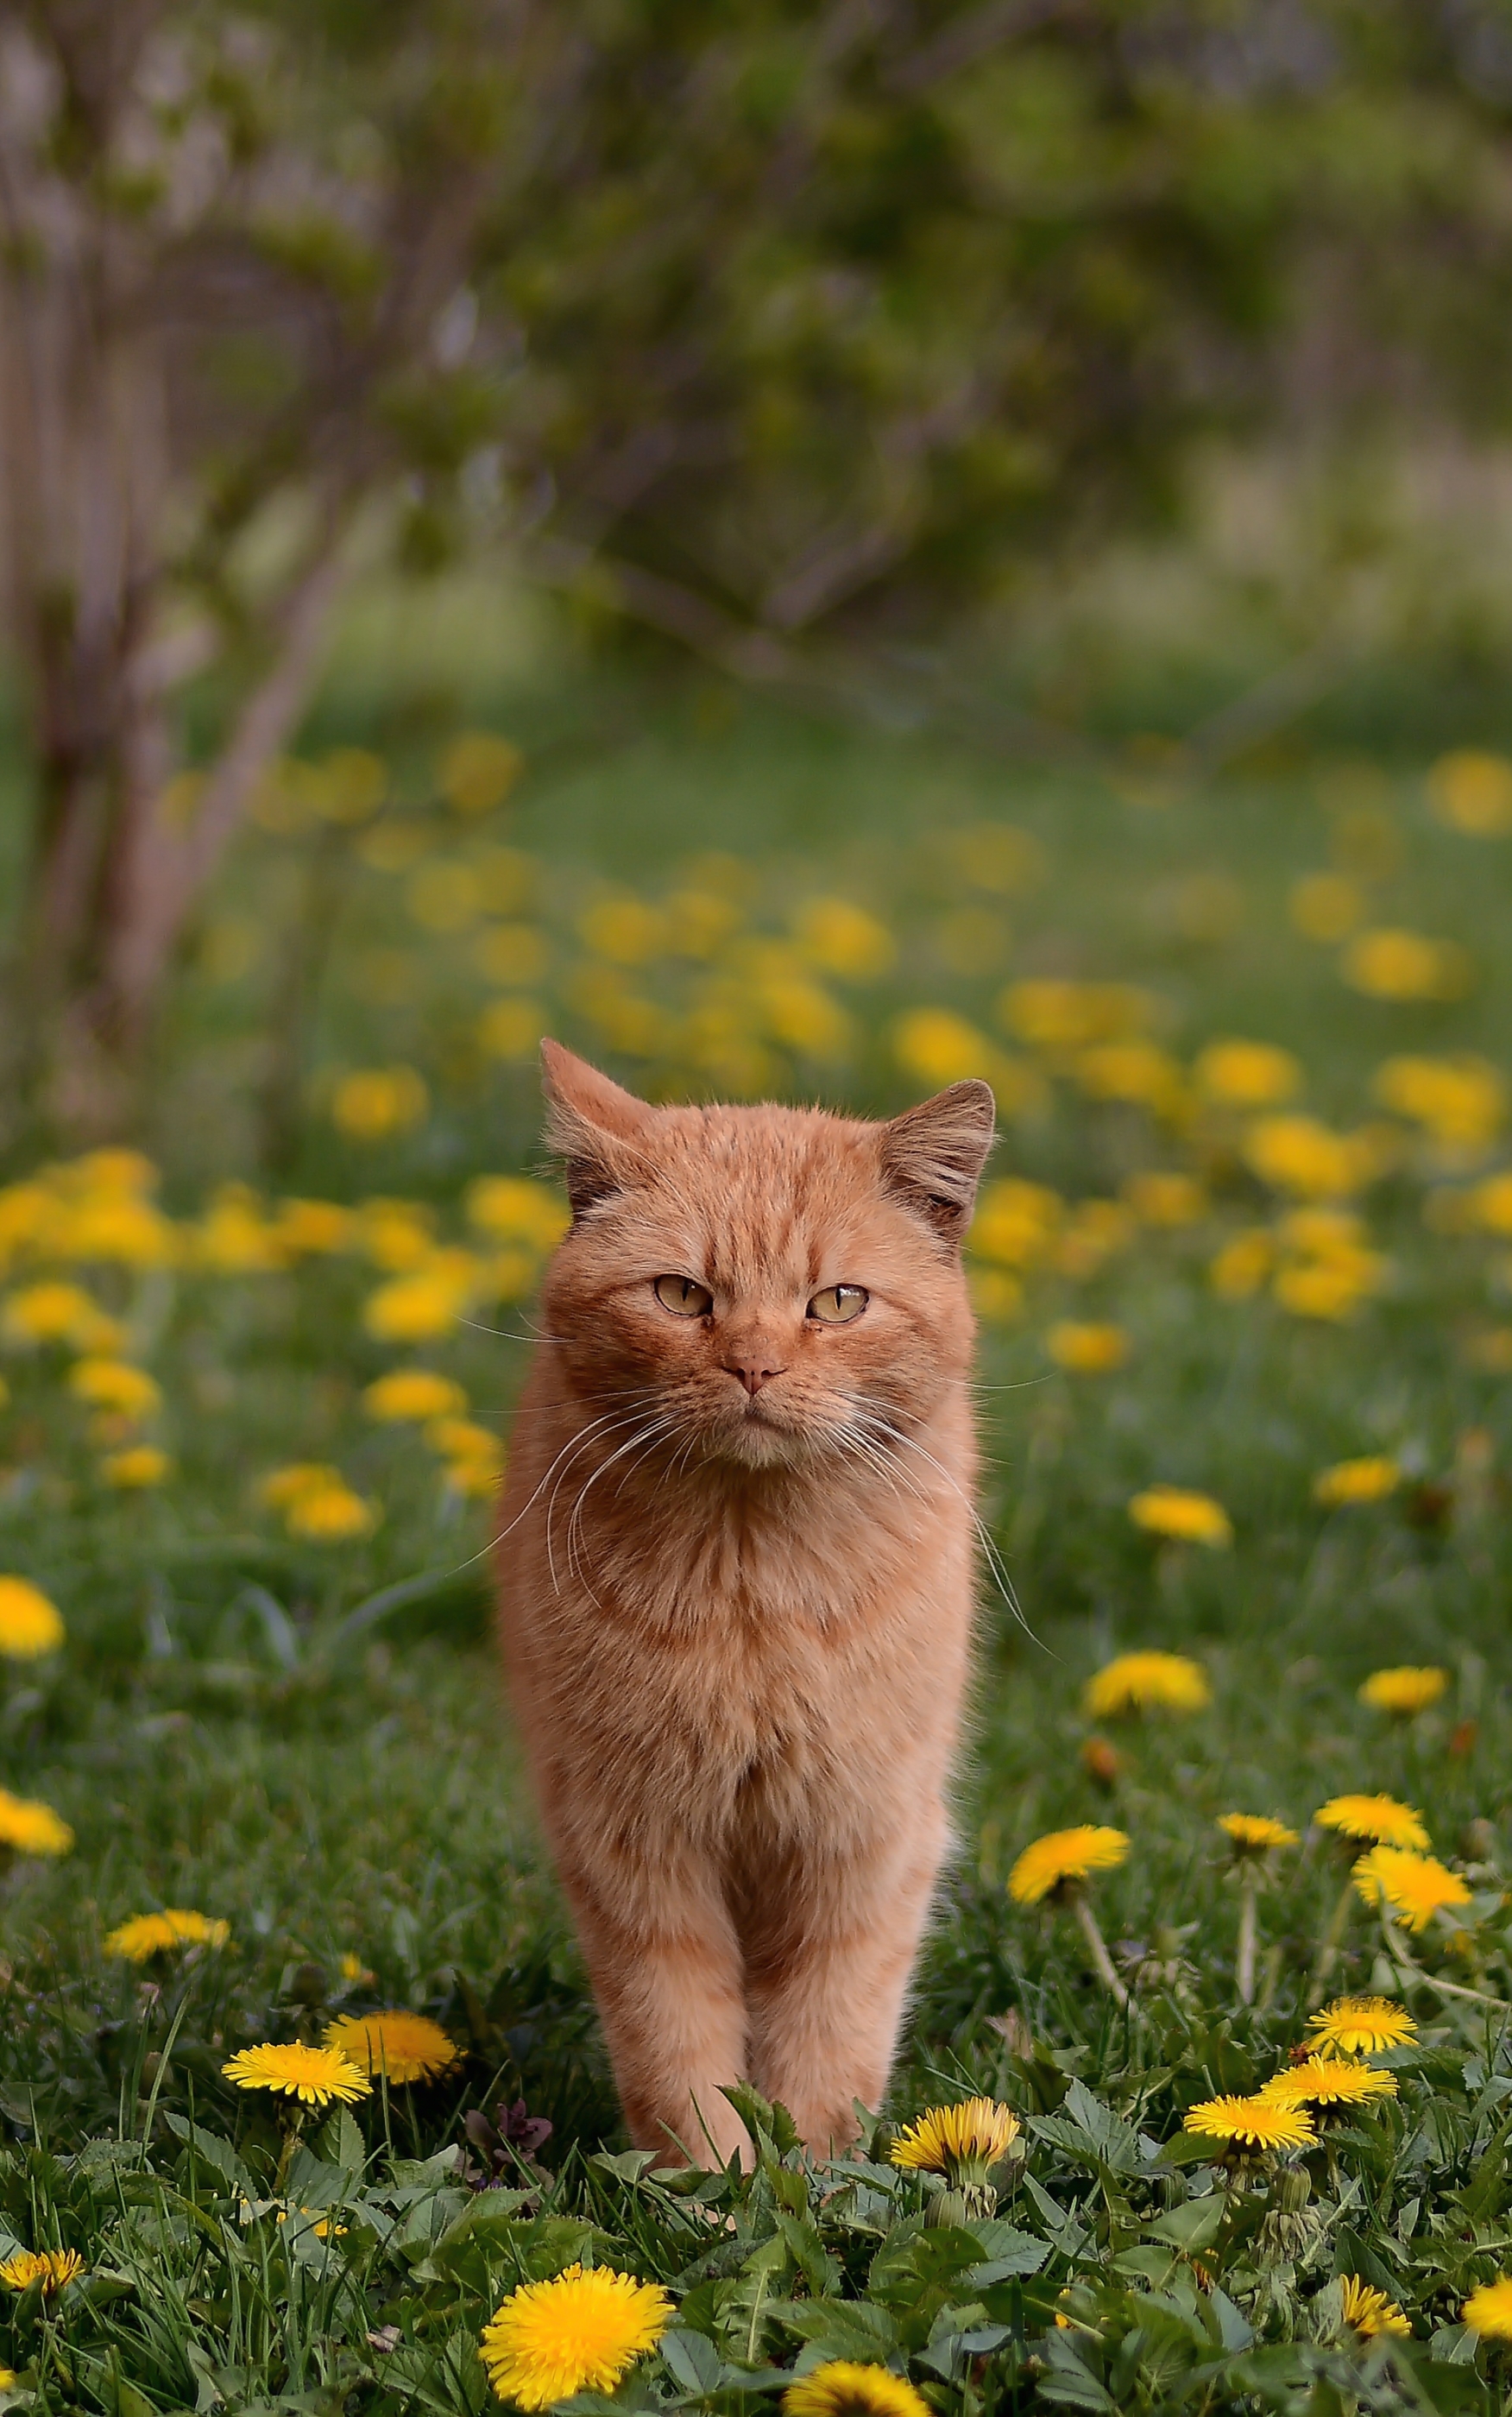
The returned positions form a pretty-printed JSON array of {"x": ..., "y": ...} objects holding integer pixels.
[
  {"x": 682, "y": 1296},
  {"x": 837, "y": 1305}
]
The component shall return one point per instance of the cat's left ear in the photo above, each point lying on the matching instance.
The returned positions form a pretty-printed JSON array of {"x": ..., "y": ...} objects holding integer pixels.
[
  {"x": 592, "y": 1124},
  {"x": 932, "y": 1156}
]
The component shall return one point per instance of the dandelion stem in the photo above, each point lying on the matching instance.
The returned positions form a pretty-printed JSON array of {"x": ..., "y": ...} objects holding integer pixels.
[
  {"x": 1328, "y": 1950},
  {"x": 1098, "y": 1950},
  {"x": 1248, "y": 1891},
  {"x": 1408, "y": 1969}
]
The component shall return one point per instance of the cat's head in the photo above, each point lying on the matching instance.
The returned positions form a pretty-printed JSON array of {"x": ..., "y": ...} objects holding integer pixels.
[{"x": 770, "y": 1282}]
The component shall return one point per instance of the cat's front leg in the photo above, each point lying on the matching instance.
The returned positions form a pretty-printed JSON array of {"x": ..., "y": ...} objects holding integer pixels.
[
  {"x": 666, "y": 1973},
  {"x": 828, "y": 1965}
]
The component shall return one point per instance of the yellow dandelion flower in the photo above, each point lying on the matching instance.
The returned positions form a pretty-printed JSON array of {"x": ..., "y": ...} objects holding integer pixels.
[
  {"x": 1330, "y": 2081},
  {"x": 1246, "y": 1073},
  {"x": 282, "y": 1486},
  {"x": 1255, "y": 1833},
  {"x": 155, "y": 1934},
  {"x": 1188, "y": 1517},
  {"x": 427, "y": 1303},
  {"x": 8, "y": 2379},
  {"x": 353, "y": 1969},
  {"x": 1403, "y": 1692},
  {"x": 1415, "y": 1886},
  {"x": 1086, "y": 1350},
  {"x": 1064, "y": 1857},
  {"x": 1362, "y": 2026},
  {"x": 28, "y": 1828},
  {"x": 1489, "y": 2311},
  {"x": 1369, "y": 1479},
  {"x": 139, "y": 1466},
  {"x": 579, "y": 2332},
  {"x": 329, "y": 1514},
  {"x": 314, "y": 2076},
  {"x": 403, "y": 2046},
  {"x": 413, "y": 1394},
  {"x": 378, "y": 1101},
  {"x": 1379, "y": 1820},
  {"x": 1397, "y": 965},
  {"x": 53, "y": 1312},
  {"x": 114, "y": 1385},
  {"x": 1471, "y": 789},
  {"x": 976, "y": 2132},
  {"x": 55, "y": 2269},
  {"x": 843, "y": 2388},
  {"x": 1368, "y": 2311},
  {"x": 1258, "y": 2122},
  {"x": 30, "y": 1625},
  {"x": 1142, "y": 1681}
]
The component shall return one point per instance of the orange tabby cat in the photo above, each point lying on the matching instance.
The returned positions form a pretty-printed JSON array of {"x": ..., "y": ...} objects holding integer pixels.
[{"x": 736, "y": 1578}]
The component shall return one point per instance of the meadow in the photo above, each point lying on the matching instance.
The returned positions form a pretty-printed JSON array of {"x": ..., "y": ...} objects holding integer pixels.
[{"x": 1244, "y": 1268}]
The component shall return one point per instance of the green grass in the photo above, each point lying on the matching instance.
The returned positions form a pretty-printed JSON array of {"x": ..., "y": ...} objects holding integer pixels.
[{"x": 296, "y": 1738}]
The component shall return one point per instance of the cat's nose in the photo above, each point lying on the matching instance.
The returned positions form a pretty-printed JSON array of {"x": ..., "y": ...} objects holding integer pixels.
[{"x": 752, "y": 1379}]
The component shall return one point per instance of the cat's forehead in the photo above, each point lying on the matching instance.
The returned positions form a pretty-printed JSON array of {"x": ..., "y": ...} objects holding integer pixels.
[{"x": 757, "y": 1187}]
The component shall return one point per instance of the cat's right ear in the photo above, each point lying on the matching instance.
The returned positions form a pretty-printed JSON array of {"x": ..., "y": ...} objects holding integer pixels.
[{"x": 592, "y": 1124}]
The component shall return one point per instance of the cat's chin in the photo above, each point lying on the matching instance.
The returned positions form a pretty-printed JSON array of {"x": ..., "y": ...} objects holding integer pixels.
[{"x": 760, "y": 1441}]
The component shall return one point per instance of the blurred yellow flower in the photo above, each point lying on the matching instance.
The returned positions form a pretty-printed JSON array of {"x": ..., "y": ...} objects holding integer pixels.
[
  {"x": 396, "y": 1235},
  {"x": 312, "y": 1227},
  {"x": 1188, "y": 1517},
  {"x": 995, "y": 1295},
  {"x": 937, "y": 1046},
  {"x": 510, "y": 1208},
  {"x": 154, "y": 1934},
  {"x": 1062, "y": 1016},
  {"x": 30, "y": 1624},
  {"x": 466, "y": 1439},
  {"x": 1470, "y": 790},
  {"x": 1369, "y": 2312},
  {"x": 1093, "y": 1231},
  {"x": 394, "y": 2044},
  {"x": 1379, "y": 1819},
  {"x": 378, "y": 1102},
  {"x": 1326, "y": 908},
  {"x": 475, "y": 1479},
  {"x": 843, "y": 939},
  {"x": 30, "y": 1828},
  {"x": 413, "y": 1394},
  {"x": 1162, "y": 1196},
  {"x": 137, "y": 1466},
  {"x": 1134, "y": 1070},
  {"x": 1255, "y": 2123},
  {"x": 1241, "y": 1265},
  {"x": 281, "y": 1487},
  {"x": 114, "y": 1385},
  {"x": 1255, "y": 1833},
  {"x": 426, "y": 1304},
  {"x": 55, "y": 2269},
  {"x": 1298, "y": 1154},
  {"x": 113, "y": 1228},
  {"x": 583, "y": 2331},
  {"x": 1141, "y": 1682},
  {"x": 1368, "y": 1479},
  {"x": 54, "y": 1311},
  {"x": 313, "y": 2075},
  {"x": 623, "y": 929},
  {"x": 445, "y": 895},
  {"x": 1491, "y": 1204},
  {"x": 235, "y": 1237},
  {"x": 1489, "y": 2310},
  {"x": 1415, "y": 1886},
  {"x": 1461, "y": 1101},
  {"x": 329, "y": 1514},
  {"x": 510, "y": 1028},
  {"x": 1246, "y": 1073},
  {"x": 1331, "y": 1288},
  {"x": 1398, "y": 964},
  {"x": 1403, "y": 1692},
  {"x": 805, "y": 1019},
  {"x": 1063, "y": 1858},
  {"x": 1362, "y": 2026},
  {"x": 1016, "y": 1222},
  {"x": 1087, "y": 1350},
  {"x": 517, "y": 955},
  {"x": 478, "y": 771}
]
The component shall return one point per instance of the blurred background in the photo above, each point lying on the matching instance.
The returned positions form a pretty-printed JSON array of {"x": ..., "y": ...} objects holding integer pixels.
[{"x": 518, "y": 516}]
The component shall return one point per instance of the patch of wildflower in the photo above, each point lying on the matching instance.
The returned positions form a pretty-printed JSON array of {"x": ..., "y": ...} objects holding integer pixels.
[
  {"x": 30, "y": 1623},
  {"x": 1489, "y": 2310},
  {"x": 28, "y": 1827},
  {"x": 1063, "y": 1858},
  {"x": 1414, "y": 1887},
  {"x": 315, "y": 2076},
  {"x": 1330, "y": 2081},
  {"x": 1255, "y": 1833},
  {"x": 157, "y": 1934},
  {"x": 1369, "y": 1479},
  {"x": 1362, "y": 2027},
  {"x": 1257, "y": 2123},
  {"x": 53, "y": 2269},
  {"x": 1405, "y": 1690},
  {"x": 397, "y": 2044},
  {"x": 1379, "y": 1820},
  {"x": 1184, "y": 1516},
  {"x": 843, "y": 2387},
  {"x": 1369, "y": 2312}
]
